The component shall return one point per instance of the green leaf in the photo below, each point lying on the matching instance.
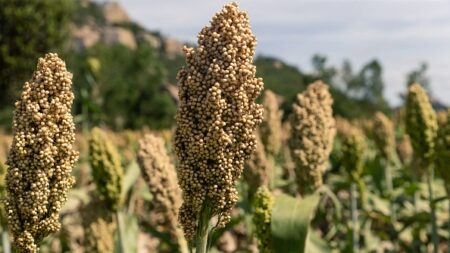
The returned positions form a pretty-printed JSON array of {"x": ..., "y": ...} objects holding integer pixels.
[
  {"x": 315, "y": 244},
  {"x": 290, "y": 222},
  {"x": 128, "y": 230},
  {"x": 131, "y": 175}
]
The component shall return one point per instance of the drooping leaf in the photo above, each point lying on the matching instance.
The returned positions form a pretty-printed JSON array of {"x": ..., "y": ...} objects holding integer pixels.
[{"x": 290, "y": 222}]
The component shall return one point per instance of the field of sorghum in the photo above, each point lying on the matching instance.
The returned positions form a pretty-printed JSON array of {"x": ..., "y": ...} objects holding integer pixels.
[{"x": 231, "y": 176}]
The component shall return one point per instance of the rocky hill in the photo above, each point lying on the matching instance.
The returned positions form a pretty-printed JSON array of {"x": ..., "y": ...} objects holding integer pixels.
[{"x": 109, "y": 23}]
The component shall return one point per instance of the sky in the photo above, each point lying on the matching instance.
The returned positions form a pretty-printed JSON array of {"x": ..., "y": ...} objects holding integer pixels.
[{"x": 399, "y": 33}]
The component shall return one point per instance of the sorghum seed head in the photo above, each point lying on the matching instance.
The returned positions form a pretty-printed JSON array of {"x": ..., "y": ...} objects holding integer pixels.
[
  {"x": 443, "y": 151},
  {"x": 421, "y": 124},
  {"x": 217, "y": 116},
  {"x": 99, "y": 227},
  {"x": 161, "y": 178},
  {"x": 41, "y": 157},
  {"x": 106, "y": 169},
  {"x": 384, "y": 135},
  {"x": 404, "y": 149},
  {"x": 312, "y": 134},
  {"x": 353, "y": 151},
  {"x": 262, "y": 214},
  {"x": 271, "y": 125},
  {"x": 256, "y": 168}
]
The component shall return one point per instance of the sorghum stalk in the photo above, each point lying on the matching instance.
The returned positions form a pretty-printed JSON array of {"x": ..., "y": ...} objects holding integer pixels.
[
  {"x": 42, "y": 156},
  {"x": 312, "y": 134},
  {"x": 443, "y": 157},
  {"x": 421, "y": 126},
  {"x": 216, "y": 119},
  {"x": 353, "y": 152},
  {"x": 384, "y": 136},
  {"x": 161, "y": 178},
  {"x": 271, "y": 125}
]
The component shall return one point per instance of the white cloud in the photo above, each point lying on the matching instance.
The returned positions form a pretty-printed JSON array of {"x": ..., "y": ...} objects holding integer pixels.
[{"x": 400, "y": 33}]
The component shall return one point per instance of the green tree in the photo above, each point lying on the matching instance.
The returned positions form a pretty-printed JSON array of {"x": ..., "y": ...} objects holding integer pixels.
[
  {"x": 371, "y": 81},
  {"x": 419, "y": 75},
  {"x": 321, "y": 71},
  {"x": 121, "y": 87},
  {"x": 28, "y": 30}
]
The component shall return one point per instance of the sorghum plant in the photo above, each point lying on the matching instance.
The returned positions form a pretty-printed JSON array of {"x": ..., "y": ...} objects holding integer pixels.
[
  {"x": 106, "y": 167},
  {"x": 421, "y": 125},
  {"x": 216, "y": 120},
  {"x": 161, "y": 178},
  {"x": 312, "y": 134},
  {"x": 41, "y": 157},
  {"x": 384, "y": 136},
  {"x": 271, "y": 125},
  {"x": 353, "y": 152},
  {"x": 256, "y": 171},
  {"x": 443, "y": 156},
  {"x": 262, "y": 214}
]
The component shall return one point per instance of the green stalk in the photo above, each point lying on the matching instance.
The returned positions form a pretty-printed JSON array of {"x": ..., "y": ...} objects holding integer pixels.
[
  {"x": 204, "y": 228},
  {"x": 434, "y": 236},
  {"x": 119, "y": 229},
  {"x": 390, "y": 189},
  {"x": 6, "y": 246},
  {"x": 354, "y": 214}
]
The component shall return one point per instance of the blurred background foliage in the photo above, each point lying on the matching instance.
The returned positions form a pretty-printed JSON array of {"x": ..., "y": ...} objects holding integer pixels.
[{"x": 125, "y": 75}]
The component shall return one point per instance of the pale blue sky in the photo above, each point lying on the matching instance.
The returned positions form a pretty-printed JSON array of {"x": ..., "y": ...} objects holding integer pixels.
[{"x": 400, "y": 33}]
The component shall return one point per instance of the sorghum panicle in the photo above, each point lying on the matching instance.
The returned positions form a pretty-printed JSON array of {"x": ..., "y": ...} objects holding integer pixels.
[
  {"x": 256, "y": 172},
  {"x": 312, "y": 134},
  {"x": 443, "y": 151},
  {"x": 353, "y": 151},
  {"x": 217, "y": 116},
  {"x": 161, "y": 178},
  {"x": 384, "y": 135},
  {"x": 106, "y": 167},
  {"x": 271, "y": 125},
  {"x": 41, "y": 157},
  {"x": 99, "y": 227},
  {"x": 404, "y": 149},
  {"x": 421, "y": 124},
  {"x": 262, "y": 214}
]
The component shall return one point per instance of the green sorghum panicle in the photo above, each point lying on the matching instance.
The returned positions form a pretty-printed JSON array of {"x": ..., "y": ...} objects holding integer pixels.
[
  {"x": 106, "y": 169},
  {"x": 421, "y": 124},
  {"x": 256, "y": 172},
  {"x": 312, "y": 134},
  {"x": 353, "y": 151},
  {"x": 271, "y": 125},
  {"x": 262, "y": 214},
  {"x": 384, "y": 135},
  {"x": 161, "y": 178},
  {"x": 443, "y": 151},
  {"x": 217, "y": 116},
  {"x": 42, "y": 156}
]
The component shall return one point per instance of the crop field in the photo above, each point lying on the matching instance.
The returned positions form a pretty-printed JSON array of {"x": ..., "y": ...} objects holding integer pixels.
[{"x": 223, "y": 161}]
